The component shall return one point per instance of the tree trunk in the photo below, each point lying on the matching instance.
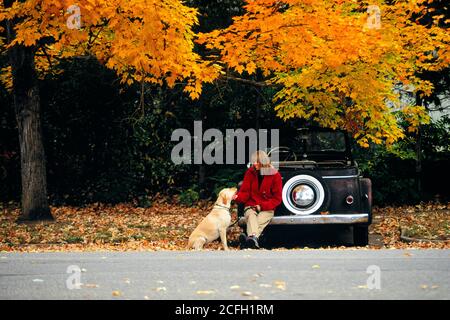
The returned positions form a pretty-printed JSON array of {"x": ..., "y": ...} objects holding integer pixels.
[
  {"x": 27, "y": 109},
  {"x": 418, "y": 150}
]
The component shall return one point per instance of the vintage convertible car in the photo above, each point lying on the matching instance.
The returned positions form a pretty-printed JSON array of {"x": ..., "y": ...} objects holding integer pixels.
[{"x": 322, "y": 184}]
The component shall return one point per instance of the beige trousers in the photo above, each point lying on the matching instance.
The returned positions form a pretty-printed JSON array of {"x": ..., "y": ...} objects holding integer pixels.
[{"x": 256, "y": 222}]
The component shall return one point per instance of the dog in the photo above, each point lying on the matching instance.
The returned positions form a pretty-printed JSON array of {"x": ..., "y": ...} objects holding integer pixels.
[{"x": 215, "y": 224}]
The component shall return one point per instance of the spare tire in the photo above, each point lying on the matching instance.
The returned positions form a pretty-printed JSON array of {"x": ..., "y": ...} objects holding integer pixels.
[{"x": 305, "y": 193}]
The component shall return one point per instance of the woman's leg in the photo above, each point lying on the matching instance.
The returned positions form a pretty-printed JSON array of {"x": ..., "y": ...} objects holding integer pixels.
[
  {"x": 252, "y": 221},
  {"x": 263, "y": 219}
]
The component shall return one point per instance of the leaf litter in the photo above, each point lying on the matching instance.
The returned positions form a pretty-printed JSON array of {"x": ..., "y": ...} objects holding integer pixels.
[{"x": 167, "y": 226}]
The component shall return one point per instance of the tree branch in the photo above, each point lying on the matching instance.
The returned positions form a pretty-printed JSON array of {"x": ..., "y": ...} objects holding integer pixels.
[{"x": 247, "y": 81}]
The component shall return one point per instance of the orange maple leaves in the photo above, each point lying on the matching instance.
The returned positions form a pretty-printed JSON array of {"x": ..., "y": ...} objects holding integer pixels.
[
  {"x": 142, "y": 40},
  {"x": 333, "y": 66}
]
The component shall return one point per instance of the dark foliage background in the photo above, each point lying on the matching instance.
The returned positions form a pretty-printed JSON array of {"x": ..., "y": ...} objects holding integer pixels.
[{"x": 103, "y": 145}]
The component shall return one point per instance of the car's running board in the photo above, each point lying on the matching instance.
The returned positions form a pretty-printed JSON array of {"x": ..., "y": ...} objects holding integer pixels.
[{"x": 316, "y": 219}]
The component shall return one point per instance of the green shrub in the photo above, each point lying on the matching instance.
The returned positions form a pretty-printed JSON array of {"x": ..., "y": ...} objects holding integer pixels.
[{"x": 189, "y": 197}]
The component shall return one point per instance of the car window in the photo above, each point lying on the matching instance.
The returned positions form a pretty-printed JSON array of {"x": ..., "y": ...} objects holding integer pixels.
[{"x": 317, "y": 141}]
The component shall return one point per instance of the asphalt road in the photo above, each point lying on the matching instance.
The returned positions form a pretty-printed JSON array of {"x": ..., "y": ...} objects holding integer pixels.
[{"x": 248, "y": 274}]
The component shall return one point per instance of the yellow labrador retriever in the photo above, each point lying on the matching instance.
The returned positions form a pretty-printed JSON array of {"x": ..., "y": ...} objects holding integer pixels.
[{"x": 215, "y": 224}]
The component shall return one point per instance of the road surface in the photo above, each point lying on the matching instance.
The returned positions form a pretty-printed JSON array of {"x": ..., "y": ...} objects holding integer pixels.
[{"x": 248, "y": 274}]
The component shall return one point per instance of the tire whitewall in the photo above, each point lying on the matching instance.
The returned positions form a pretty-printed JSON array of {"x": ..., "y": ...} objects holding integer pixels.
[{"x": 311, "y": 182}]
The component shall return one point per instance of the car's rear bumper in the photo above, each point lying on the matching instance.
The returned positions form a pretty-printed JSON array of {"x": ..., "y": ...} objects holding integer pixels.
[{"x": 316, "y": 219}]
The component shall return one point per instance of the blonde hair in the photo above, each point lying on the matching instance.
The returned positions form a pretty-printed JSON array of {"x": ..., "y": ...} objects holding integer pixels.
[{"x": 262, "y": 158}]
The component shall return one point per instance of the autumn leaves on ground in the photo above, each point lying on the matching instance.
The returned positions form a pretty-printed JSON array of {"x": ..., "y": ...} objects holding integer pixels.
[{"x": 166, "y": 226}]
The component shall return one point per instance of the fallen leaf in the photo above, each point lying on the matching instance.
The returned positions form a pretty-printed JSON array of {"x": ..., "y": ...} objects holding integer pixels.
[
  {"x": 205, "y": 292},
  {"x": 90, "y": 285},
  {"x": 362, "y": 287},
  {"x": 234, "y": 287},
  {"x": 160, "y": 289},
  {"x": 316, "y": 266},
  {"x": 116, "y": 293},
  {"x": 38, "y": 280},
  {"x": 246, "y": 293},
  {"x": 407, "y": 254},
  {"x": 280, "y": 285}
]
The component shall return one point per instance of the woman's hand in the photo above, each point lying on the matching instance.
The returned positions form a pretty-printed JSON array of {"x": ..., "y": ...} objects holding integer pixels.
[{"x": 234, "y": 197}]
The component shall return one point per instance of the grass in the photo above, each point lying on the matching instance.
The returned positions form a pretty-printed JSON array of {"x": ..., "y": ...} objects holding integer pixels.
[{"x": 434, "y": 229}]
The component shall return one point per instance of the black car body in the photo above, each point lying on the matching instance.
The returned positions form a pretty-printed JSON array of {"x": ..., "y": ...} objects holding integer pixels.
[{"x": 321, "y": 183}]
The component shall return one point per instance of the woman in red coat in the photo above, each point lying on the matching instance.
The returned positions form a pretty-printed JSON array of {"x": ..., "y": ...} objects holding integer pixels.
[{"x": 261, "y": 194}]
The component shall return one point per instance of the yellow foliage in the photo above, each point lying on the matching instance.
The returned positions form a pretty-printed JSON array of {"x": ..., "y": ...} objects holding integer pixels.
[
  {"x": 148, "y": 39},
  {"x": 333, "y": 66}
]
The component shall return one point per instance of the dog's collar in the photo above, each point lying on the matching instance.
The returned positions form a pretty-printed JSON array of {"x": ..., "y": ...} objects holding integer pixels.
[{"x": 222, "y": 207}]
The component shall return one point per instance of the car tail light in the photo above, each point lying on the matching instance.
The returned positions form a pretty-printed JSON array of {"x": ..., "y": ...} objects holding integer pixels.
[{"x": 349, "y": 199}]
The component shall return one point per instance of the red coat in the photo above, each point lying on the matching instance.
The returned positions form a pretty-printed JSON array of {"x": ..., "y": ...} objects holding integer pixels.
[{"x": 268, "y": 195}]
